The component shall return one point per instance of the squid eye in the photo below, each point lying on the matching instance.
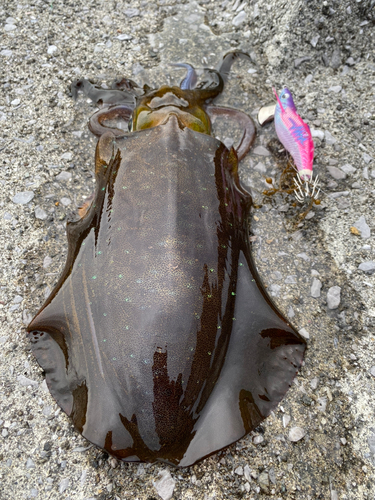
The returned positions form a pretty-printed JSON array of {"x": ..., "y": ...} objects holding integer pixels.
[{"x": 130, "y": 124}]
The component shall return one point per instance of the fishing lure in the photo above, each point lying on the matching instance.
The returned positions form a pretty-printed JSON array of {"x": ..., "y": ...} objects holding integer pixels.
[{"x": 295, "y": 136}]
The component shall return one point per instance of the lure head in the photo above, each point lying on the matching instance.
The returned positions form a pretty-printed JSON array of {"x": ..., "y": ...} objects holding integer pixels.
[{"x": 285, "y": 100}]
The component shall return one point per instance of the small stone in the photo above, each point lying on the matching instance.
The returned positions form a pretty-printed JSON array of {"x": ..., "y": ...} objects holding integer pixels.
[
  {"x": 40, "y": 213},
  {"x": 291, "y": 279},
  {"x": 350, "y": 61},
  {"x": 132, "y": 12},
  {"x": 314, "y": 40},
  {"x": 261, "y": 151},
  {"x": 314, "y": 383},
  {"x": 23, "y": 197},
  {"x": 363, "y": 227},
  {"x": 51, "y": 49},
  {"x": 365, "y": 173},
  {"x": 7, "y": 216},
  {"x": 239, "y": 19},
  {"x": 272, "y": 475},
  {"x": 348, "y": 169},
  {"x": 47, "y": 410},
  {"x": 317, "y": 133},
  {"x": 30, "y": 464},
  {"x": 63, "y": 176},
  {"x": 6, "y": 53},
  {"x": 291, "y": 313},
  {"x": 65, "y": 201},
  {"x": 366, "y": 157},
  {"x": 330, "y": 140},
  {"x": 343, "y": 441},
  {"x": 336, "y": 173},
  {"x": 308, "y": 79},
  {"x": 296, "y": 434},
  {"x": 10, "y": 27},
  {"x": 275, "y": 290},
  {"x": 64, "y": 485},
  {"x": 67, "y": 156},
  {"x": 264, "y": 482},
  {"x": 315, "y": 288},
  {"x": 333, "y": 297},
  {"x": 125, "y": 36},
  {"x": 25, "y": 382},
  {"x": 17, "y": 299},
  {"x": 300, "y": 60},
  {"x": 107, "y": 20},
  {"x": 372, "y": 371},
  {"x": 355, "y": 231},
  {"x": 137, "y": 68},
  {"x": 304, "y": 333},
  {"x": 336, "y": 59},
  {"x": 303, "y": 256},
  {"x": 367, "y": 267},
  {"x": 258, "y": 439},
  {"x": 165, "y": 485},
  {"x": 239, "y": 470},
  {"x": 247, "y": 473},
  {"x": 140, "y": 470},
  {"x": 286, "y": 420},
  {"x": 47, "y": 261},
  {"x": 335, "y": 88}
]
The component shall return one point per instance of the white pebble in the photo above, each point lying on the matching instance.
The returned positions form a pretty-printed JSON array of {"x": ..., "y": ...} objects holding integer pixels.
[
  {"x": 239, "y": 470},
  {"x": 64, "y": 485},
  {"x": 25, "y": 382},
  {"x": 23, "y": 197},
  {"x": 40, "y": 213},
  {"x": 286, "y": 420},
  {"x": 333, "y": 297},
  {"x": 316, "y": 286},
  {"x": 63, "y": 176},
  {"x": 296, "y": 434},
  {"x": 304, "y": 333},
  {"x": 363, "y": 227},
  {"x": 165, "y": 485},
  {"x": 258, "y": 439},
  {"x": 239, "y": 19}
]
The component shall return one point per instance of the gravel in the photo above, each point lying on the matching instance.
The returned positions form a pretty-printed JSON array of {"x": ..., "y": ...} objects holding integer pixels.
[
  {"x": 333, "y": 297},
  {"x": 323, "y": 52}
]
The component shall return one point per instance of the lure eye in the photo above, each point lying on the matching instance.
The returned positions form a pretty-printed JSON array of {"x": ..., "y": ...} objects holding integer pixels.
[{"x": 285, "y": 96}]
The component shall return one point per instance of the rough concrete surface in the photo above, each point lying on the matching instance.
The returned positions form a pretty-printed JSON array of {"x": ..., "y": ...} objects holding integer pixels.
[{"x": 320, "y": 442}]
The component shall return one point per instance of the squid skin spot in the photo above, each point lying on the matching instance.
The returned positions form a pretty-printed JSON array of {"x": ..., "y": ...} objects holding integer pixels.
[
  {"x": 120, "y": 275},
  {"x": 99, "y": 253},
  {"x": 94, "y": 277},
  {"x": 104, "y": 314}
]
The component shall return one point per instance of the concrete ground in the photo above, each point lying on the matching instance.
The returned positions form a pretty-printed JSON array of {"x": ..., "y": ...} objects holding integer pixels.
[{"x": 318, "y": 269}]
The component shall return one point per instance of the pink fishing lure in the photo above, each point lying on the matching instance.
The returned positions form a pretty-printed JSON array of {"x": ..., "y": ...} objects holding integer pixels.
[{"x": 294, "y": 134}]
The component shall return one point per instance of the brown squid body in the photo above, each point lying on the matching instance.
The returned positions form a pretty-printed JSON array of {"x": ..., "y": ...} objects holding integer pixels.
[{"x": 159, "y": 340}]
